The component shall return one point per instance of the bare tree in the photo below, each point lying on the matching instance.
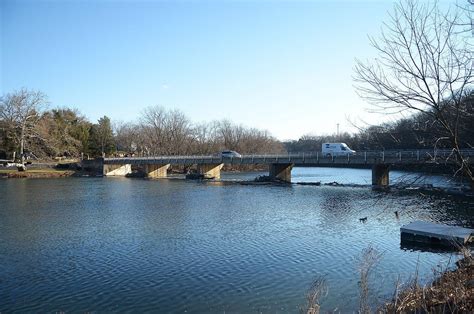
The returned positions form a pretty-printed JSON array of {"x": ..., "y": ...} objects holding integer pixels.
[
  {"x": 126, "y": 136},
  {"x": 20, "y": 111},
  {"x": 228, "y": 134},
  {"x": 178, "y": 133},
  {"x": 204, "y": 139},
  {"x": 166, "y": 132},
  {"x": 424, "y": 65},
  {"x": 152, "y": 125}
]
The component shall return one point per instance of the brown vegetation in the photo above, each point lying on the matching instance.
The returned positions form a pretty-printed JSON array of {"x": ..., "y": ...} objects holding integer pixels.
[
  {"x": 170, "y": 132},
  {"x": 451, "y": 292},
  {"x": 36, "y": 173},
  {"x": 316, "y": 292},
  {"x": 33, "y": 133},
  {"x": 367, "y": 261}
]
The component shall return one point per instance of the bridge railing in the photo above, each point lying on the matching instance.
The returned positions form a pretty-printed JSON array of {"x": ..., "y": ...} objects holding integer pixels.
[
  {"x": 378, "y": 154},
  {"x": 401, "y": 154}
]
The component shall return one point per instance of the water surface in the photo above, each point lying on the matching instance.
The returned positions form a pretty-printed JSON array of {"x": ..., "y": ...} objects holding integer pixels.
[{"x": 119, "y": 244}]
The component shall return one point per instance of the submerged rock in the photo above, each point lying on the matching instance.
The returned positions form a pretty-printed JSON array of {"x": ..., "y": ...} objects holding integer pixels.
[{"x": 309, "y": 183}]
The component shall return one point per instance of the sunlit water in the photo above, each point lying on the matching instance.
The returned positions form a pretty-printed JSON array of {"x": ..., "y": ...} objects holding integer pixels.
[{"x": 118, "y": 244}]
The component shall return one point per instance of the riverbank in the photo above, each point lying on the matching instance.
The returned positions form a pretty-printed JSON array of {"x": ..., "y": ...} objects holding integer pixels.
[
  {"x": 36, "y": 173},
  {"x": 451, "y": 292}
]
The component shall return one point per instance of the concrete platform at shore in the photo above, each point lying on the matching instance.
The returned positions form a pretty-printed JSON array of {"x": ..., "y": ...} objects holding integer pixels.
[{"x": 428, "y": 232}]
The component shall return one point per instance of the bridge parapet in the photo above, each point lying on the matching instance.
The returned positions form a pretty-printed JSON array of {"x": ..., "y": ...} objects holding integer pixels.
[{"x": 359, "y": 158}]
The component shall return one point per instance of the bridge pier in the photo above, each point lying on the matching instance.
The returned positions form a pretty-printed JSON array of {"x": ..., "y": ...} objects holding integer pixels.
[
  {"x": 281, "y": 171},
  {"x": 157, "y": 171},
  {"x": 380, "y": 175},
  {"x": 210, "y": 171},
  {"x": 116, "y": 169}
]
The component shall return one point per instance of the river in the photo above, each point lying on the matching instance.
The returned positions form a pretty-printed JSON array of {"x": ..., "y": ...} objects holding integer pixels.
[{"x": 120, "y": 244}]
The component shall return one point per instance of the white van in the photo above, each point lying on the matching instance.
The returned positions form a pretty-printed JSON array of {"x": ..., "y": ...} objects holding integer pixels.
[{"x": 336, "y": 149}]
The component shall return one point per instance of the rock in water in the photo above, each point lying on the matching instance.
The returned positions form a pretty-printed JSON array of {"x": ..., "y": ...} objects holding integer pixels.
[{"x": 21, "y": 167}]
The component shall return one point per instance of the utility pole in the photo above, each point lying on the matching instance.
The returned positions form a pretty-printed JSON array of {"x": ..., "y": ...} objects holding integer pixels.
[{"x": 337, "y": 131}]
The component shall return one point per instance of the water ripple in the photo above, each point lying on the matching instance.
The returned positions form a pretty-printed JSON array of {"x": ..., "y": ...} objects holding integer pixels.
[{"x": 175, "y": 246}]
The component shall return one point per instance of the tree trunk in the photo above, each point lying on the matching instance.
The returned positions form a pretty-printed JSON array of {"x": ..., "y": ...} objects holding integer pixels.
[{"x": 22, "y": 144}]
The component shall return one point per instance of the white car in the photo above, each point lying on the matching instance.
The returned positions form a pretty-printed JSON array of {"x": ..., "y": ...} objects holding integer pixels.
[{"x": 230, "y": 153}]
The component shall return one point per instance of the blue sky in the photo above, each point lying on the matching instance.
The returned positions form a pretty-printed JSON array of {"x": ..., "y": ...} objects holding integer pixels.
[{"x": 284, "y": 66}]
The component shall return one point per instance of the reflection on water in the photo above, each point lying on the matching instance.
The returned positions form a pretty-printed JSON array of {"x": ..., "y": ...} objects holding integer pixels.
[
  {"x": 116, "y": 244},
  {"x": 420, "y": 247}
]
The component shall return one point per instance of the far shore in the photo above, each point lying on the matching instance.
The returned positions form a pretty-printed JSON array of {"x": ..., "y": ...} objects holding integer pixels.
[{"x": 36, "y": 173}]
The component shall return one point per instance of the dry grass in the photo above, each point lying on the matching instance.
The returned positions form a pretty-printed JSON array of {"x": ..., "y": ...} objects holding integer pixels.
[
  {"x": 35, "y": 173},
  {"x": 450, "y": 292},
  {"x": 316, "y": 292},
  {"x": 367, "y": 261},
  {"x": 45, "y": 170}
]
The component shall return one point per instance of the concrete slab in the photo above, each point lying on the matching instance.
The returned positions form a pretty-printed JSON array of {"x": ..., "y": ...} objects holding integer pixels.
[{"x": 422, "y": 231}]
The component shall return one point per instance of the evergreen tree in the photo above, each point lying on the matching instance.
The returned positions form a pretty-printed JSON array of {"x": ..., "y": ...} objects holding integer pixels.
[{"x": 101, "y": 138}]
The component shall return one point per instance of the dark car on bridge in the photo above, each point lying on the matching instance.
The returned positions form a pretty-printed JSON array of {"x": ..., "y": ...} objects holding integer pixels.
[{"x": 230, "y": 153}]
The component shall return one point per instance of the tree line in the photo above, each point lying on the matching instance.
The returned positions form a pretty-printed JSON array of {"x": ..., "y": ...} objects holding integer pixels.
[
  {"x": 159, "y": 131},
  {"x": 31, "y": 131},
  {"x": 28, "y": 128},
  {"x": 417, "y": 131}
]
